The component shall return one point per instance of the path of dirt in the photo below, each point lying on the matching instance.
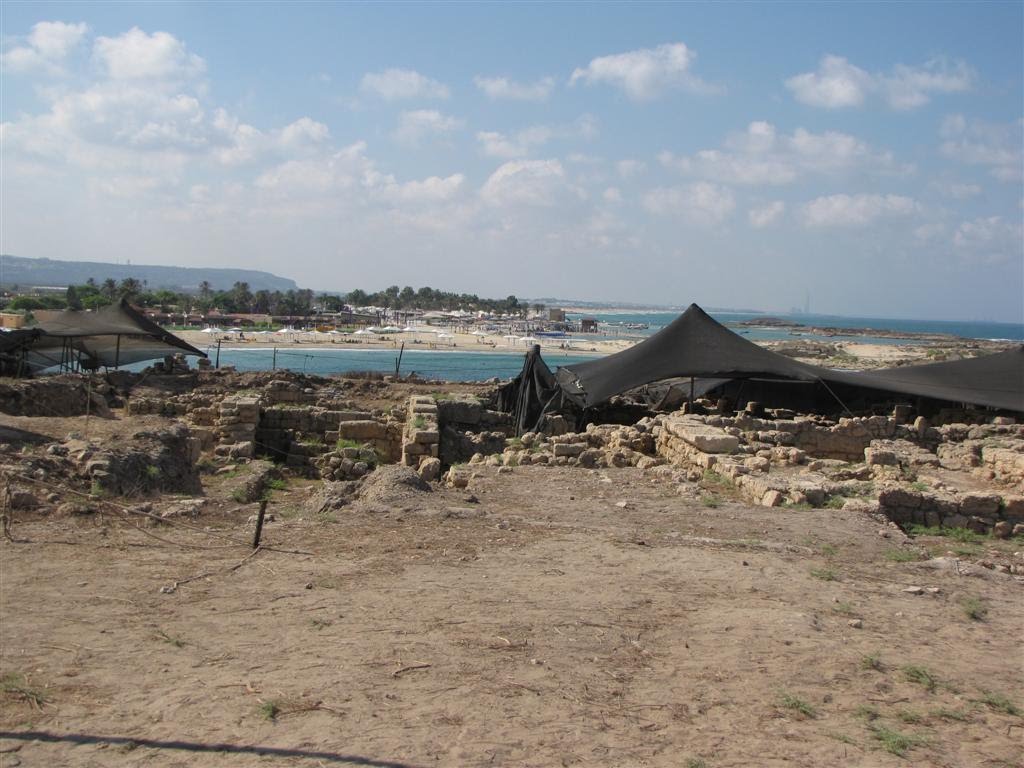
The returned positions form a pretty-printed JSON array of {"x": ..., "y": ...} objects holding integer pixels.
[{"x": 555, "y": 617}]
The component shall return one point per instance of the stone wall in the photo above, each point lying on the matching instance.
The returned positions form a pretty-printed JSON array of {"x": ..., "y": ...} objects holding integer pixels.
[{"x": 421, "y": 437}]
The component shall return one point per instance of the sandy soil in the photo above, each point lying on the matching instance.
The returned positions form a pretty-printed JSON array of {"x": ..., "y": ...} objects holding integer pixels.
[{"x": 553, "y": 617}]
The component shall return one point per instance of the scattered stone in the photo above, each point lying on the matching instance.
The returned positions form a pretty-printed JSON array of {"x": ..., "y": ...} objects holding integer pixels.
[
  {"x": 430, "y": 469},
  {"x": 913, "y": 590},
  {"x": 855, "y": 623}
]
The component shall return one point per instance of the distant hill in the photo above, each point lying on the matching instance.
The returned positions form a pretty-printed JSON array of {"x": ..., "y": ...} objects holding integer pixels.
[{"x": 20, "y": 271}]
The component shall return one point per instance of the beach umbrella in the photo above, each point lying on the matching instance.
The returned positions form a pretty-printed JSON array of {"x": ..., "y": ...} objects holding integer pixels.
[{"x": 445, "y": 336}]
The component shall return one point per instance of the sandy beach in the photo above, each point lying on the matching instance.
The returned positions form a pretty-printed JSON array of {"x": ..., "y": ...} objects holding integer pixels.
[
  {"x": 589, "y": 345},
  {"x": 435, "y": 339}
]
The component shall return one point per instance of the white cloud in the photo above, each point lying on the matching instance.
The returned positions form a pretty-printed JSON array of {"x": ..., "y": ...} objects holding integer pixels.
[
  {"x": 766, "y": 215},
  {"x": 646, "y": 73},
  {"x": 909, "y": 87},
  {"x": 521, "y": 143},
  {"x": 700, "y": 203},
  {"x": 856, "y": 210},
  {"x": 612, "y": 195},
  {"x": 526, "y": 182},
  {"x": 48, "y": 45},
  {"x": 958, "y": 191},
  {"x": 498, "y": 88},
  {"x": 760, "y": 156},
  {"x": 838, "y": 84},
  {"x": 989, "y": 240},
  {"x": 304, "y": 132},
  {"x": 976, "y": 142},
  {"x": 629, "y": 168},
  {"x": 136, "y": 55},
  {"x": 420, "y": 124},
  {"x": 432, "y": 189},
  {"x": 399, "y": 84}
]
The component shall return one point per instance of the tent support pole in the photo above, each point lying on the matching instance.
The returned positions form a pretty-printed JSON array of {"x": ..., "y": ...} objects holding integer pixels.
[
  {"x": 691, "y": 390},
  {"x": 117, "y": 352},
  {"x": 825, "y": 384}
]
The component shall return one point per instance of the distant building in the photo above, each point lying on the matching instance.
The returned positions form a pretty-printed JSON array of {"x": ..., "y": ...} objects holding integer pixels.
[
  {"x": 556, "y": 315},
  {"x": 588, "y": 325}
]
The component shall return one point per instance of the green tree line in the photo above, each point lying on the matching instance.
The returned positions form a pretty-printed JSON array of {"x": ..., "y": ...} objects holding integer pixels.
[{"x": 240, "y": 299}]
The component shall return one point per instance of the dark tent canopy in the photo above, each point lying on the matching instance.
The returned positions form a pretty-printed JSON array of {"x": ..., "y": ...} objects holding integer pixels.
[
  {"x": 695, "y": 345},
  {"x": 531, "y": 394},
  {"x": 996, "y": 381},
  {"x": 691, "y": 345},
  {"x": 112, "y": 336}
]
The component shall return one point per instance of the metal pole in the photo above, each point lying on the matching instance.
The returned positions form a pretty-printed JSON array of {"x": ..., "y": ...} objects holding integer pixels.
[
  {"x": 259, "y": 524},
  {"x": 691, "y": 389},
  {"x": 117, "y": 351},
  {"x": 398, "y": 362},
  {"x": 273, "y": 365},
  {"x": 217, "y": 363}
]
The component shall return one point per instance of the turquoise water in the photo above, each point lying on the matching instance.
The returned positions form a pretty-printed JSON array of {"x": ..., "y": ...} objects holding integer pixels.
[
  {"x": 474, "y": 366},
  {"x": 450, "y": 366},
  {"x": 967, "y": 329}
]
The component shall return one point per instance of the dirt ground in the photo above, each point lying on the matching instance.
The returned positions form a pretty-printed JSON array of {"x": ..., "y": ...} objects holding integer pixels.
[{"x": 543, "y": 617}]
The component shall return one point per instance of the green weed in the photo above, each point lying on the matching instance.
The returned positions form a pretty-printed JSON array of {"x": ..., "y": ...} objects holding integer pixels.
[
  {"x": 177, "y": 642},
  {"x": 950, "y": 714},
  {"x": 709, "y": 500},
  {"x": 797, "y": 704},
  {"x": 270, "y": 709},
  {"x": 16, "y": 685},
  {"x": 894, "y": 742},
  {"x": 902, "y": 555},
  {"x": 1000, "y": 703},
  {"x": 974, "y": 608},
  {"x": 825, "y": 574},
  {"x": 921, "y": 676},
  {"x": 866, "y": 712},
  {"x": 835, "y": 502},
  {"x": 872, "y": 662}
]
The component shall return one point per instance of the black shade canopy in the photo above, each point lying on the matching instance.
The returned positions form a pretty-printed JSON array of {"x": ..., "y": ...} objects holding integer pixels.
[
  {"x": 996, "y": 381},
  {"x": 695, "y": 345},
  {"x": 114, "y": 335},
  {"x": 691, "y": 345}
]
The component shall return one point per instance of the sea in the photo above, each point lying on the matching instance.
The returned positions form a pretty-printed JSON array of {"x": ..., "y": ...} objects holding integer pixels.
[{"x": 476, "y": 366}]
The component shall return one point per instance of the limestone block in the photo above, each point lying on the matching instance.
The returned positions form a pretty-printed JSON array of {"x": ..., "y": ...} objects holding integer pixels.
[
  {"x": 900, "y": 497},
  {"x": 429, "y": 469},
  {"x": 979, "y": 504},
  {"x": 1013, "y": 507},
  {"x": 425, "y": 436},
  {"x": 703, "y": 437},
  {"x": 569, "y": 449},
  {"x": 879, "y": 456},
  {"x": 772, "y": 498},
  {"x": 361, "y": 430}
]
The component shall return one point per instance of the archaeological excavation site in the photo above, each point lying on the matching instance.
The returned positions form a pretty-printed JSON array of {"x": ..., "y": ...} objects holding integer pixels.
[{"x": 744, "y": 562}]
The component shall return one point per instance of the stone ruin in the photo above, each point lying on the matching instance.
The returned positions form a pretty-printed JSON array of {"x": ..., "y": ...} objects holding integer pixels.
[
  {"x": 960, "y": 469},
  {"x": 953, "y": 475}
]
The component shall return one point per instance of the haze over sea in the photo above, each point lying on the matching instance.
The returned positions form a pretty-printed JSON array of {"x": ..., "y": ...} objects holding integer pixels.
[{"x": 456, "y": 365}]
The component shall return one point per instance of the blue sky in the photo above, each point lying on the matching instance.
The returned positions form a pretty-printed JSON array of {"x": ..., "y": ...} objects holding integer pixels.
[{"x": 729, "y": 154}]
